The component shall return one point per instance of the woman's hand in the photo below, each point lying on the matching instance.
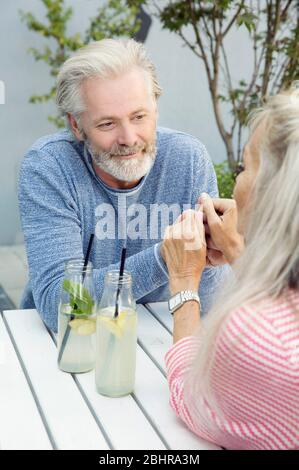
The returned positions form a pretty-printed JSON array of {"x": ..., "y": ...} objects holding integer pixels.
[
  {"x": 184, "y": 251},
  {"x": 224, "y": 242}
]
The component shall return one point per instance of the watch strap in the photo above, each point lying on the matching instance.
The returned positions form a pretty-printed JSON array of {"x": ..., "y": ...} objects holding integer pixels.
[{"x": 177, "y": 300}]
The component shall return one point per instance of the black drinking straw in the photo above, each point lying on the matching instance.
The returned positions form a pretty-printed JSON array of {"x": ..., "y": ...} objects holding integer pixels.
[
  {"x": 121, "y": 272},
  {"x": 68, "y": 328}
]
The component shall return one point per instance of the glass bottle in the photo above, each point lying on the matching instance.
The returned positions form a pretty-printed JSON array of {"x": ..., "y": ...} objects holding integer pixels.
[
  {"x": 77, "y": 319},
  {"x": 116, "y": 337}
]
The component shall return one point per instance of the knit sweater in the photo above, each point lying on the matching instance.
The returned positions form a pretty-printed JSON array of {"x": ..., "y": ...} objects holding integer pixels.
[
  {"x": 62, "y": 201},
  {"x": 254, "y": 379}
]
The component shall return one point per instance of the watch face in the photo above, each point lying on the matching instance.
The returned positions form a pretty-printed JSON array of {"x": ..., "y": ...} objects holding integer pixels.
[{"x": 174, "y": 301}]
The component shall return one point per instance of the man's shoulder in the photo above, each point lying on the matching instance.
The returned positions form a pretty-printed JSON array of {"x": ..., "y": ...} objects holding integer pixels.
[
  {"x": 178, "y": 141},
  {"x": 177, "y": 148},
  {"x": 50, "y": 148},
  {"x": 51, "y": 141}
]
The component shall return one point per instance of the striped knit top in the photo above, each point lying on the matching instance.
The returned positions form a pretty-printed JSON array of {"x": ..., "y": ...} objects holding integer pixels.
[{"x": 254, "y": 379}]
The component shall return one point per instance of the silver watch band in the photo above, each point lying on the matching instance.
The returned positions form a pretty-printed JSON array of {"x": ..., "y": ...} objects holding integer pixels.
[{"x": 177, "y": 300}]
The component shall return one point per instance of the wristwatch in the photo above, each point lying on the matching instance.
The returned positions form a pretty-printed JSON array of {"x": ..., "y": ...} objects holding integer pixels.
[{"x": 177, "y": 300}]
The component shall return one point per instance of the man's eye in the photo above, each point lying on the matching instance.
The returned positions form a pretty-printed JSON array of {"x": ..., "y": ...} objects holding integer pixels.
[
  {"x": 139, "y": 117},
  {"x": 105, "y": 125},
  {"x": 240, "y": 167}
]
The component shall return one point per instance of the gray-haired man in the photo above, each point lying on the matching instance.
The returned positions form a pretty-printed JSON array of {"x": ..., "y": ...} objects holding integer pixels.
[{"x": 115, "y": 173}]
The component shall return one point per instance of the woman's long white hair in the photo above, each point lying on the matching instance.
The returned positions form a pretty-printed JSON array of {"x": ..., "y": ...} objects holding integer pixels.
[{"x": 269, "y": 264}]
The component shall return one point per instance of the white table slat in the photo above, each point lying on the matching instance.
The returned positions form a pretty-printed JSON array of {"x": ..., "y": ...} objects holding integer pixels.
[
  {"x": 152, "y": 336},
  {"x": 160, "y": 310},
  {"x": 152, "y": 392},
  {"x": 144, "y": 420},
  {"x": 68, "y": 416},
  {"x": 156, "y": 343},
  {"x": 122, "y": 419},
  {"x": 21, "y": 426}
]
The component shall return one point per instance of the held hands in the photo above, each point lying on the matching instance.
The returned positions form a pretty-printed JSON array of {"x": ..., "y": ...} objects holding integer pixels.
[
  {"x": 189, "y": 244},
  {"x": 224, "y": 242},
  {"x": 184, "y": 251}
]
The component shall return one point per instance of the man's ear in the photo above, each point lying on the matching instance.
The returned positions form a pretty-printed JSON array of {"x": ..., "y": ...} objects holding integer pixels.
[
  {"x": 75, "y": 128},
  {"x": 156, "y": 110}
]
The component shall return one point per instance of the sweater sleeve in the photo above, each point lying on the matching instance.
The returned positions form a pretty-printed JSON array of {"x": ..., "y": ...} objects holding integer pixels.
[
  {"x": 53, "y": 235},
  {"x": 250, "y": 404}
]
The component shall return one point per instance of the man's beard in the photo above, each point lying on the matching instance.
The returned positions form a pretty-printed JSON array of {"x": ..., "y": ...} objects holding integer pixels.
[{"x": 129, "y": 170}]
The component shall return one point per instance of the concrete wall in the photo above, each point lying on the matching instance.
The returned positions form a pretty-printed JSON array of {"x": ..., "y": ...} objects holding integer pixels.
[{"x": 185, "y": 104}]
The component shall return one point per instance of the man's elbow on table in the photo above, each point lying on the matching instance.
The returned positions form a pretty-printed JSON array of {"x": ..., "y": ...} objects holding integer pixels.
[{"x": 45, "y": 301}]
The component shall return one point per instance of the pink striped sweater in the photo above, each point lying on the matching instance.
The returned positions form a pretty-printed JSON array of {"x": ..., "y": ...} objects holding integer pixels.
[{"x": 254, "y": 379}]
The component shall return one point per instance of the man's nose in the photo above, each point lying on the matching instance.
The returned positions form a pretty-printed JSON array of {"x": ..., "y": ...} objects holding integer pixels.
[{"x": 127, "y": 136}]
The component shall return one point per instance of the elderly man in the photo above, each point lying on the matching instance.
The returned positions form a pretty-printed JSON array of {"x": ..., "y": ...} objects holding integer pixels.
[{"x": 113, "y": 173}]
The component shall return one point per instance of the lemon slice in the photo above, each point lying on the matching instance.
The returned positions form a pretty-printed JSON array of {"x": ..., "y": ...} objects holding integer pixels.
[
  {"x": 76, "y": 323},
  {"x": 88, "y": 328},
  {"x": 83, "y": 327},
  {"x": 115, "y": 325}
]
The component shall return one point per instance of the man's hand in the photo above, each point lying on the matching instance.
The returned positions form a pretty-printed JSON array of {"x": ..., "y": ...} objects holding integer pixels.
[{"x": 224, "y": 242}]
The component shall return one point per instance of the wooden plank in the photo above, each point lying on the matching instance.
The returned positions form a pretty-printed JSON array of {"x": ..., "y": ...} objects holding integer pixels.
[
  {"x": 154, "y": 397},
  {"x": 151, "y": 392},
  {"x": 21, "y": 426},
  {"x": 152, "y": 336},
  {"x": 67, "y": 415},
  {"x": 161, "y": 312},
  {"x": 124, "y": 422}
]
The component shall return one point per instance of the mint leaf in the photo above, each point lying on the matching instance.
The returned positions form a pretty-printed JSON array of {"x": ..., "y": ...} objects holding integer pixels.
[{"x": 80, "y": 299}]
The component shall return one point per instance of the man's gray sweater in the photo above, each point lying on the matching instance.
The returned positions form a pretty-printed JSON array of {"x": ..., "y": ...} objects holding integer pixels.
[{"x": 62, "y": 201}]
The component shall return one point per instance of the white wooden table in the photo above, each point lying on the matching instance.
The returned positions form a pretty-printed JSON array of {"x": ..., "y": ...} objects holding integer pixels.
[{"x": 44, "y": 408}]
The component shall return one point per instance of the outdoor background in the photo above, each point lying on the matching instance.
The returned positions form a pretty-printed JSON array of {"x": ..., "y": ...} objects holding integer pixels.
[{"x": 185, "y": 104}]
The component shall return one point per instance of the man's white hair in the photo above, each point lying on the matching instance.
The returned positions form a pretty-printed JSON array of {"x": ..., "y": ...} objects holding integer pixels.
[{"x": 107, "y": 58}]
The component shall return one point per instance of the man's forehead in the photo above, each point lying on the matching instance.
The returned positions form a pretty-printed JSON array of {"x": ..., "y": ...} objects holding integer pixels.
[
  {"x": 132, "y": 83},
  {"x": 121, "y": 95}
]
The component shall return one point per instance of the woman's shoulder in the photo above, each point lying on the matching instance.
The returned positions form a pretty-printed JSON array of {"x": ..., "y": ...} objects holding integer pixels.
[
  {"x": 272, "y": 308},
  {"x": 271, "y": 320}
]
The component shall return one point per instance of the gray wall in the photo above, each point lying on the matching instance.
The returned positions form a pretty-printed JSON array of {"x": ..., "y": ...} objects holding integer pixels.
[{"x": 185, "y": 104}]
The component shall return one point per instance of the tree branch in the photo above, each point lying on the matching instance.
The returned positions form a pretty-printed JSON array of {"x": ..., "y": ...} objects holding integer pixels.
[
  {"x": 272, "y": 27},
  {"x": 230, "y": 24},
  {"x": 285, "y": 10},
  {"x": 200, "y": 43},
  {"x": 239, "y": 143},
  {"x": 191, "y": 46}
]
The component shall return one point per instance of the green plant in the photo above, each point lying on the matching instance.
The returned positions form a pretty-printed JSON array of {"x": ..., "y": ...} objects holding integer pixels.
[
  {"x": 113, "y": 19},
  {"x": 272, "y": 27},
  {"x": 225, "y": 179}
]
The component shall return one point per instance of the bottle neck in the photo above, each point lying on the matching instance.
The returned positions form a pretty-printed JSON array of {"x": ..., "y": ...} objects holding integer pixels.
[
  {"x": 117, "y": 290},
  {"x": 114, "y": 280},
  {"x": 76, "y": 268}
]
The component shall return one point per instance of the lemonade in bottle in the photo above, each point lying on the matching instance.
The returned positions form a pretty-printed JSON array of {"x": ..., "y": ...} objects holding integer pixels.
[
  {"x": 116, "y": 337},
  {"x": 77, "y": 319}
]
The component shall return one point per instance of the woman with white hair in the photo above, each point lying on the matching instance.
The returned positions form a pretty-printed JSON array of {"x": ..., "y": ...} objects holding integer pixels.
[{"x": 234, "y": 377}]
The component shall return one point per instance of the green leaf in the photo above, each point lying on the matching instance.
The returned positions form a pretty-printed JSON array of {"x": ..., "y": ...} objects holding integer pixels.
[
  {"x": 80, "y": 299},
  {"x": 225, "y": 179},
  {"x": 114, "y": 18},
  {"x": 248, "y": 19}
]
